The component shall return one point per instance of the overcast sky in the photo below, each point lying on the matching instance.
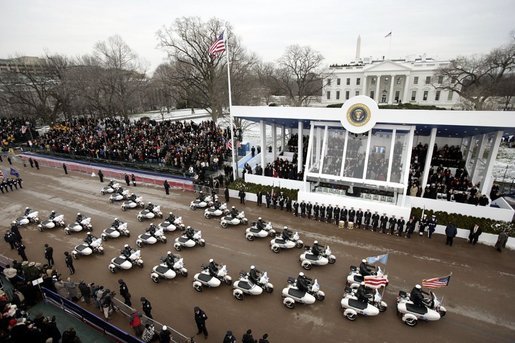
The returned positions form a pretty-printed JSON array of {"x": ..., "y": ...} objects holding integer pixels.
[{"x": 439, "y": 28}]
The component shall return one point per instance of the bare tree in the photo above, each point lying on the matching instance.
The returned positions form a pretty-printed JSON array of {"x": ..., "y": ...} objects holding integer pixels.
[
  {"x": 199, "y": 79},
  {"x": 298, "y": 74},
  {"x": 478, "y": 78}
]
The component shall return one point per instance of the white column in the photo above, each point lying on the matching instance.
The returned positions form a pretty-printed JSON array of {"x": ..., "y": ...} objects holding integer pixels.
[
  {"x": 274, "y": 141},
  {"x": 406, "y": 95},
  {"x": 376, "y": 95},
  {"x": 324, "y": 150},
  {"x": 364, "y": 86},
  {"x": 482, "y": 146},
  {"x": 469, "y": 155},
  {"x": 262, "y": 128},
  {"x": 390, "y": 158},
  {"x": 300, "y": 146},
  {"x": 283, "y": 139},
  {"x": 429, "y": 156},
  {"x": 367, "y": 153},
  {"x": 310, "y": 150},
  {"x": 318, "y": 145},
  {"x": 407, "y": 163},
  {"x": 390, "y": 95},
  {"x": 489, "y": 179},
  {"x": 344, "y": 154}
]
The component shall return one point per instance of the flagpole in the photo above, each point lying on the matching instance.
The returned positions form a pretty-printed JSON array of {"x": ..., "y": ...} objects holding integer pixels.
[
  {"x": 390, "y": 48},
  {"x": 234, "y": 165}
]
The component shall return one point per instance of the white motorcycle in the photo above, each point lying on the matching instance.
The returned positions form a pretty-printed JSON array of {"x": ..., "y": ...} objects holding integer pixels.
[
  {"x": 148, "y": 239},
  {"x": 293, "y": 295},
  {"x": 411, "y": 313},
  {"x": 308, "y": 259},
  {"x": 170, "y": 227},
  {"x": 229, "y": 220},
  {"x": 162, "y": 271},
  {"x": 85, "y": 249},
  {"x": 112, "y": 232},
  {"x": 85, "y": 224},
  {"x": 245, "y": 286},
  {"x": 146, "y": 214},
  {"x": 278, "y": 243},
  {"x": 31, "y": 218},
  {"x": 208, "y": 201},
  {"x": 130, "y": 204},
  {"x": 354, "y": 278},
  {"x": 111, "y": 188},
  {"x": 124, "y": 263},
  {"x": 185, "y": 242},
  {"x": 58, "y": 220},
  {"x": 253, "y": 232},
  {"x": 216, "y": 212},
  {"x": 119, "y": 196},
  {"x": 351, "y": 306},
  {"x": 204, "y": 278}
]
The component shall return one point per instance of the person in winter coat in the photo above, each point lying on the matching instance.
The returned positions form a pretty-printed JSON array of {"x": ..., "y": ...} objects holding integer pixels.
[{"x": 450, "y": 232}]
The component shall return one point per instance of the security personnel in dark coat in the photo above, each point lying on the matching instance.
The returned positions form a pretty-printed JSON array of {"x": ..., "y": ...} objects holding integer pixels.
[
  {"x": 400, "y": 226},
  {"x": 316, "y": 210},
  {"x": 309, "y": 207},
  {"x": 368, "y": 216},
  {"x": 383, "y": 221},
  {"x": 322, "y": 212},
  {"x": 352, "y": 215},
  {"x": 329, "y": 213},
  {"x": 344, "y": 216},
  {"x": 302, "y": 209},
  {"x": 375, "y": 221},
  {"x": 296, "y": 208},
  {"x": 391, "y": 224},
  {"x": 359, "y": 218},
  {"x": 336, "y": 214},
  {"x": 417, "y": 296}
]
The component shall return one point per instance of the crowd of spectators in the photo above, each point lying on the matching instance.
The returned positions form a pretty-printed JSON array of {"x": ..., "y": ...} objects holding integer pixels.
[
  {"x": 442, "y": 182},
  {"x": 185, "y": 146},
  {"x": 281, "y": 168},
  {"x": 15, "y": 130}
]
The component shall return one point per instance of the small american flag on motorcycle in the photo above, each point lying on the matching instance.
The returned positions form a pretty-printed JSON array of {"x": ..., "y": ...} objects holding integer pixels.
[{"x": 436, "y": 282}]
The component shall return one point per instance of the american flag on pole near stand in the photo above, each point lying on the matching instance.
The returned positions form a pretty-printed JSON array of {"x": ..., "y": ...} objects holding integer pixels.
[
  {"x": 374, "y": 281},
  {"x": 436, "y": 282},
  {"x": 218, "y": 46}
]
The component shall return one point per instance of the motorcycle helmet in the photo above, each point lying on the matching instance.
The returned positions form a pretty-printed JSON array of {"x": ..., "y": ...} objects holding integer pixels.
[
  {"x": 211, "y": 260},
  {"x": 364, "y": 260},
  {"x": 150, "y": 203},
  {"x": 126, "y": 246},
  {"x": 171, "y": 213},
  {"x": 89, "y": 233},
  {"x": 417, "y": 286},
  {"x": 301, "y": 274},
  {"x": 168, "y": 252},
  {"x": 259, "y": 218},
  {"x": 233, "y": 207},
  {"x": 52, "y": 212},
  {"x": 315, "y": 242},
  {"x": 78, "y": 213},
  {"x": 13, "y": 222},
  {"x": 285, "y": 228},
  {"x": 189, "y": 227},
  {"x": 115, "y": 219},
  {"x": 26, "y": 208},
  {"x": 252, "y": 267},
  {"x": 362, "y": 283}
]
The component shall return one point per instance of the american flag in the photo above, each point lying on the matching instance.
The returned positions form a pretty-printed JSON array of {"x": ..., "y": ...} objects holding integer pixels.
[
  {"x": 218, "y": 46},
  {"x": 374, "y": 281},
  {"x": 436, "y": 282},
  {"x": 228, "y": 145}
]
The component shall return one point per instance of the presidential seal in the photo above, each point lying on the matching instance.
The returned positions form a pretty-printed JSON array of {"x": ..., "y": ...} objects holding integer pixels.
[{"x": 358, "y": 114}]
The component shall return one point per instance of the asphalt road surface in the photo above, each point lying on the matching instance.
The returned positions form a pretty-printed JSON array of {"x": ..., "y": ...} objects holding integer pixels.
[{"x": 478, "y": 299}]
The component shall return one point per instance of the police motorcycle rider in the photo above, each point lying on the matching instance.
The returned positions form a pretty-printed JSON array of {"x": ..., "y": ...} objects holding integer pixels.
[
  {"x": 116, "y": 223},
  {"x": 254, "y": 275},
  {"x": 365, "y": 268},
  {"x": 27, "y": 211},
  {"x": 213, "y": 268},
  {"x": 52, "y": 215},
  {"x": 361, "y": 292},
  {"x": 132, "y": 197},
  {"x": 189, "y": 232},
  {"x": 79, "y": 218},
  {"x": 170, "y": 259},
  {"x": 303, "y": 282},
  {"x": 152, "y": 229},
  {"x": 150, "y": 207},
  {"x": 317, "y": 249},
  {"x": 217, "y": 204},
  {"x": 234, "y": 212},
  {"x": 171, "y": 218},
  {"x": 417, "y": 296},
  {"x": 127, "y": 251},
  {"x": 89, "y": 238},
  {"x": 201, "y": 196},
  {"x": 286, "y": 234},
  {"x": 260, "y": 224}
]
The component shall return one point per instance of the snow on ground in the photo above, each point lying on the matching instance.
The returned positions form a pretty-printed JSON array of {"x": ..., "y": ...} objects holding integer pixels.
[{"x": 504, "y": 165}]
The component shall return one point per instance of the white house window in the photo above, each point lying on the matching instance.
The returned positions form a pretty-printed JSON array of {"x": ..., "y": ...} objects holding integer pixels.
[
  {"x": 338, "y": 82},
  {"x": 398, "y": 80},
  {"x": 358, "y": 81},
  {"x": 449, "y": 96},
  {"x": 347, "y": 95},
  {"x": 338, "y": 95},
  {"x": 428, "y": 80},
  {"x": 440, "y": 79},
  {"x": 328, "y": 82},
  {"x": 424, "y": 97},
  {"x": 357, "y": 93},
  {"x": 437, "y": 96},
  {"x": 413, "y": 95},
  {"x": 328, "y": 95},
  {"x": 348, "y": 81},
  {"x": 415, "y": 80}
]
